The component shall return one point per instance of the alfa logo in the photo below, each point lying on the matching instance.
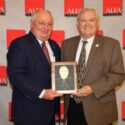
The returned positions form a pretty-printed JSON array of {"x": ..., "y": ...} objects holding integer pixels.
[
  {"x": 72, "y": 7},
  {"x": 32, "y": 5},
  {"x": 112, "y": 8}
]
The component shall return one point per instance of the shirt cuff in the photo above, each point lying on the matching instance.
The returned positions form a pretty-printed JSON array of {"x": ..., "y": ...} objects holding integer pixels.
[{"x": 41, "y": 94}]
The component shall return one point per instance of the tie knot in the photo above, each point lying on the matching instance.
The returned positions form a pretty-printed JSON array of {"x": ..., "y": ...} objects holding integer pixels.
[
  {"x": 85, "y": 42},
  {"x": 43, "y": 43}
]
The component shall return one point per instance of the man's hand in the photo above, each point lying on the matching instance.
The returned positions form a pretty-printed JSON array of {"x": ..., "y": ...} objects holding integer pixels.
[
  {"x": 51, "y": 94},
  {"x": 85, "y": 91}
]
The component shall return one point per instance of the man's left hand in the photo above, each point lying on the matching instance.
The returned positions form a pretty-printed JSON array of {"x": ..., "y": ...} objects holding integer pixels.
[{"x": 85, "y": 91}]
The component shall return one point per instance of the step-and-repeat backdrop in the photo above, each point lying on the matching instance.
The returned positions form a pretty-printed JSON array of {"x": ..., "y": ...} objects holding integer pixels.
[{"x": 14, "y": 22}]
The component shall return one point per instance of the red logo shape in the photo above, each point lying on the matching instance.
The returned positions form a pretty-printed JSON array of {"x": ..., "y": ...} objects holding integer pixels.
[
  {"x": 72, "y": 7},
  {"x": 33, "y": 5},
  {"x": 58, "y": 36},
  {"x": 12, "y": 34},
  {"x": 3, "y": 76},
  {"x": 112, "y": 8},
  {"x": 2, "y": 7},
  {"x": 123, "y": 110}
]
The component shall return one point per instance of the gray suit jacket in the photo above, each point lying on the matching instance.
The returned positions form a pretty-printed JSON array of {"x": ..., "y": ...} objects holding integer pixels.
[{"x": 104, "y": 71}]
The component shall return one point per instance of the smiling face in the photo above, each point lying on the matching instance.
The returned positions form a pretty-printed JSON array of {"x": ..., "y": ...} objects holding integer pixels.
[
  {"x": 42, "y": 24},
  {"x": 87, "y": 23}
]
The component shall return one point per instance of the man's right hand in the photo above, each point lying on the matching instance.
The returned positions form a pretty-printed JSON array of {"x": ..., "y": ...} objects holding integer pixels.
[{"x": 51, "y": 94}]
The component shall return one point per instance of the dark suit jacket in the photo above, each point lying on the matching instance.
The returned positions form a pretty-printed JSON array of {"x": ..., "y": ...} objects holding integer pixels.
[
  {"x": 29, "y": 73},
  {"x": 104, "y": 71}
]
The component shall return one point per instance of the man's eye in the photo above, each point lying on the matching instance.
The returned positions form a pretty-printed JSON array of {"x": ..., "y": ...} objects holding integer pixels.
[
  {"x": 41, "y": 23},
  {"x": 83, "y": 20},
  {"x": 50, "y": 24},
  {"x": 92, "y": 20}
]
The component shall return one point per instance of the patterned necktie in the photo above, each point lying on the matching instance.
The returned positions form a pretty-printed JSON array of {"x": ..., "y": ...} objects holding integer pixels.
[
  {"x": 45, "y": 50},
  {"x": 81, "y": 69}
]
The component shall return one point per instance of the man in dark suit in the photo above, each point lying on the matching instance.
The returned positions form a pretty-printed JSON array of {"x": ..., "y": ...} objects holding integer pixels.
[
  {"x": 103, "y": 71},
  {"x": 29, "y": 71}
]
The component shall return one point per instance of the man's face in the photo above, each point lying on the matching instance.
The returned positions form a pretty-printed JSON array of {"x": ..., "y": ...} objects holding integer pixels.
[
  {"x": 42, "y": 26},
  {"x": 88, "y": 24},
  {"x": 64, "y": 72}
]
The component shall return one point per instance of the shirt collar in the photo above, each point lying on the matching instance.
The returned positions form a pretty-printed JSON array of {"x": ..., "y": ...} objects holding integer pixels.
[
  {"x": 40, "y": 41},
  {"x": 90, "y": 39}
]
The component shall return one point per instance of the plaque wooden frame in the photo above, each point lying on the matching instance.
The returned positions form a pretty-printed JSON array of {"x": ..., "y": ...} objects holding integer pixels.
[{"x": 64, "y": 77}]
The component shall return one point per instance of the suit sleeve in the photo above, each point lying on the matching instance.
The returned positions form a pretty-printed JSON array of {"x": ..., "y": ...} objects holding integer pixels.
[{"x": 18, "y": 72}]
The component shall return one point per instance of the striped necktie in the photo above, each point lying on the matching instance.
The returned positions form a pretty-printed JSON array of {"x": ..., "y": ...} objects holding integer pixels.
[
  {"x": 45, "y": 50},
  {"x": 81, "y": 69}
]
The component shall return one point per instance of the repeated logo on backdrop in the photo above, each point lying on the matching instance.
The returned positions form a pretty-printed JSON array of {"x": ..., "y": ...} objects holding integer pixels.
[
  {"x": 112, "y": 8},
  {"x": 72, "y": 7},
  {"x": 32, "y": 5}
]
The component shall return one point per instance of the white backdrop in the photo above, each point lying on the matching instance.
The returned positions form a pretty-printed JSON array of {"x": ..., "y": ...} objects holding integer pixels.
[{"x": 15, "y": 19}]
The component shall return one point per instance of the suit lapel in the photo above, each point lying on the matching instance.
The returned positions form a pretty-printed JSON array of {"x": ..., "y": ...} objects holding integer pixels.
[
  {"x": 94, "y": 49},
  {"x": 76, "y": 43},
  {"x": 37, "y": 48},
  {"x": 53, "y": 48},
  {"x": 75, "y": 47}
]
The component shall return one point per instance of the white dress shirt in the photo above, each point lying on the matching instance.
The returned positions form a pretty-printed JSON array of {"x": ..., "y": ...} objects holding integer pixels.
[
  {"x": 51, "y": 54},
  {"x": 87, "y": 47}
]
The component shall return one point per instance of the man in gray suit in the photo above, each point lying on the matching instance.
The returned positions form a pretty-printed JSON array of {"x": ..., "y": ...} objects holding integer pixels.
[{"x": 103, "y": 71}]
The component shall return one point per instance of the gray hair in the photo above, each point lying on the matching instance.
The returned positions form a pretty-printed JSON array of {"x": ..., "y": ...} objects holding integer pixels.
[
  {"x": 34, "y": 15},
  {"x": 83, "y": 10}
]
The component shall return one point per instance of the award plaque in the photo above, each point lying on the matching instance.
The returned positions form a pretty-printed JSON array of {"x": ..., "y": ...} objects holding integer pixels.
[{"x": 64, "y": 77}]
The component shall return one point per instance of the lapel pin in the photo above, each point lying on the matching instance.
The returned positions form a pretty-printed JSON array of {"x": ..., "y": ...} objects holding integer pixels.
[{"x": 97, "y": 45}]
